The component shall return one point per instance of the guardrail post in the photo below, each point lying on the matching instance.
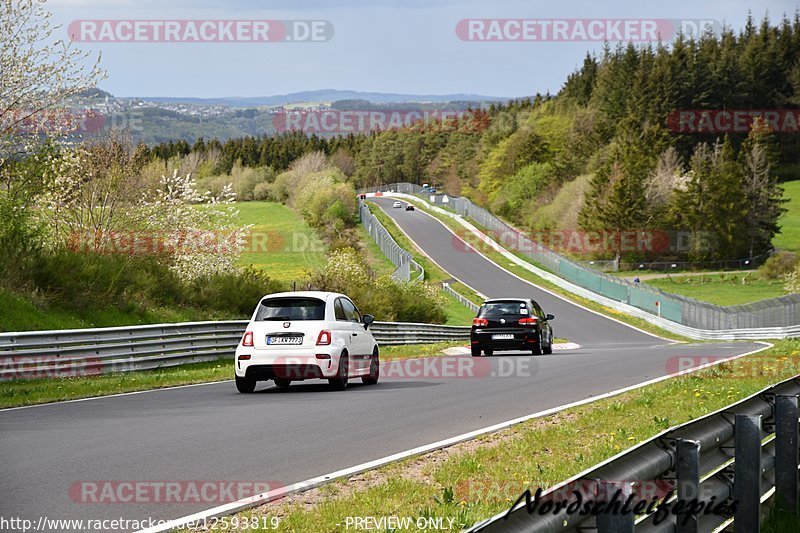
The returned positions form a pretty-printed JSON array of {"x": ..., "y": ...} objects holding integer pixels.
[
  {"x": 613, "y": 520},
  {"x": 747, "y": 474},
  {"x": 688, "y": 482},
  {"x": 787, "y": 437}
]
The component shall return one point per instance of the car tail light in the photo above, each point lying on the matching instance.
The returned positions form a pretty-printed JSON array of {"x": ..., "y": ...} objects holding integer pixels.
[
  {"x": 247, "y": 339},
  {"x": 324, "y": 338},
  {"x": 245, "y": 357},
  {"x": 527, "y": 321},
  {"x": 480, "y": 322}
]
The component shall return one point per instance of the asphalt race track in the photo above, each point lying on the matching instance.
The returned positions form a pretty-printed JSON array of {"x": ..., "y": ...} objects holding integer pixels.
[{"x": 211, "y": 432}]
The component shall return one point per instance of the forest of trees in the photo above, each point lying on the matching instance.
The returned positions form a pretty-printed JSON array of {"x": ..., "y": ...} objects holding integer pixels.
[{"x": 603, "y": 153}]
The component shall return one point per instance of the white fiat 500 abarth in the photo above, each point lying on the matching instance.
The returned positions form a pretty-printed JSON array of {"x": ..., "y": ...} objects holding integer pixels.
[{"x": 294, "y": 336}]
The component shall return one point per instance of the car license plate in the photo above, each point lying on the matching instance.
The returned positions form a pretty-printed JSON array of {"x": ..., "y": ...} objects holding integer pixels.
[
  {"x": 284, "y": 340},
  {"x": 502, "y": 336}
]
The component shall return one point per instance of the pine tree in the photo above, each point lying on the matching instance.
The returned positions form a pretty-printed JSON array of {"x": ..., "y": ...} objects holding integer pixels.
[{"x": 758, "y": 158}]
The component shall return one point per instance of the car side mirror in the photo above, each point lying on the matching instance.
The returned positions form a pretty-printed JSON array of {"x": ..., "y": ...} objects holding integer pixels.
[
  {"x": 367, "y": 319},
  {"x": 550, "y": 317}
]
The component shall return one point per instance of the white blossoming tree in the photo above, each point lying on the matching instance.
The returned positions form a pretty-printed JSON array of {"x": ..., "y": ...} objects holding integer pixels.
[
  {"x": 38, "y": 72},
  {"x": 198, "y": 232}
]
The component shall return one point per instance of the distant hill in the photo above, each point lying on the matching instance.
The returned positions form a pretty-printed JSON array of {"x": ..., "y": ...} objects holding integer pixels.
[{"x": 324, "y": 95}]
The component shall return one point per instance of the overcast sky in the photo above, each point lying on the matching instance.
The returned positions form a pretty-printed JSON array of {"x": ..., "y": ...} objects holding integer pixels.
[{"x": 403, "y": 46}]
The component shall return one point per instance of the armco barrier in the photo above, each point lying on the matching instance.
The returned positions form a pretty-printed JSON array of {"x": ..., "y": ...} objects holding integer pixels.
[
  {"x": 775, "y": 313},
  {"x": 393, "y": 251},
  {"x": 461, "y": 298},
  {"x": 745, "y": 453},
  {"x": 123, "y": 349}
]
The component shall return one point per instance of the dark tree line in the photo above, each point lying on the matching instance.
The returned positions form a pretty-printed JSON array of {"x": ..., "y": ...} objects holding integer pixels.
[{"x": 276, "y": 151}]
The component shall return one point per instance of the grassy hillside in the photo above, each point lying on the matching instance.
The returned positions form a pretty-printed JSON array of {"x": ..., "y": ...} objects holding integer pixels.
[
  {"x": 281, "y": 242},
  {"x": 789, "y": 237},
  {"x": 721, "y": 289}
]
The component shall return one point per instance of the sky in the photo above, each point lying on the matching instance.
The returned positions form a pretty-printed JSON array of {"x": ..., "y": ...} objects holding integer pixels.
[{"x": 392, "y": 46}]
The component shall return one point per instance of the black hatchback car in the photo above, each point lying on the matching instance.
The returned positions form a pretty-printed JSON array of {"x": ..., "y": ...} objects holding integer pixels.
[{"x": 511, "y": 324}]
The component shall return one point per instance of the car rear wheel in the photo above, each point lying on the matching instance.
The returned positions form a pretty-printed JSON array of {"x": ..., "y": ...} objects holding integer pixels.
[
  {"x": 374, "y": 369},
  {"x": 547, "y": 350},
  {"x": 282, "y": 383},
  {"x": 245, "y": 384},
  {"x": 476, "y": 351},
  {"x": 537, "y": 350},
  {"x": 342, "y": 374}
]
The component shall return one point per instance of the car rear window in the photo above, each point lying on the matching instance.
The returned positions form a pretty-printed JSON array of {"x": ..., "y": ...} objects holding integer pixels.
[
  {"x": 291, "y": 309},
  {"x": 509, "y": 308}
]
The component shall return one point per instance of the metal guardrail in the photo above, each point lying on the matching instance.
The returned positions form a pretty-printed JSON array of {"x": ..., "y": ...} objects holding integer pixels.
[
  {"x": 772, "y": 313},
  {"x": 81, "y": 352},
  {"x": 461, "y": 298},
  {"x": 745, "y": 453},
  {"x": 399, "y": 257},
  {"x": 388, "y": 333}
]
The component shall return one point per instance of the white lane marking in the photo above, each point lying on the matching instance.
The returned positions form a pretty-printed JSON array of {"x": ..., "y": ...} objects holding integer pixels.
[{"x": 246, "y": 503}]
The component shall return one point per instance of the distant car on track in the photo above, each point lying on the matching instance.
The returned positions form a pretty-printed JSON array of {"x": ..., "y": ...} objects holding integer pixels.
[
  {"x": 294, "y": 336},
  {"x": 409, "y": 207},
  {"x": 511, "y": 324},
  {"x": 397, "y": 204}
]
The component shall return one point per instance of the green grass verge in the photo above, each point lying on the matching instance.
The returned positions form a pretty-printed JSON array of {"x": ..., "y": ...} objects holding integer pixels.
[
  {"x": 376, "y": 260},
  {"x": 780, "y": 521},
  {"x": 457, "y": 313},
  {"x": 46, "y": 390},
  {"x": 472, "y": 481},
  {"x": 721, "y": 289},
  {"x": 281, "y": 243},
  {"x": 789, "y": 237}
]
